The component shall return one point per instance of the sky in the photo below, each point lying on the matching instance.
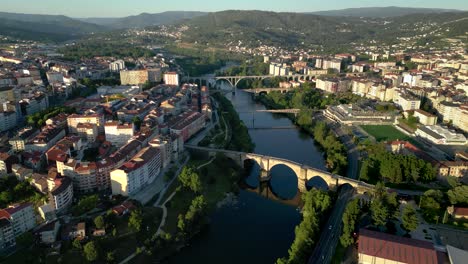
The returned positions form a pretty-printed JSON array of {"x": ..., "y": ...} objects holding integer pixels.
[{"x": 120, "y": 8}]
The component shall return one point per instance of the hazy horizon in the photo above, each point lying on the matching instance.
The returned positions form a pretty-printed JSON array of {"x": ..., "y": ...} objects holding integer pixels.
[{"x": 123, "y": 8}]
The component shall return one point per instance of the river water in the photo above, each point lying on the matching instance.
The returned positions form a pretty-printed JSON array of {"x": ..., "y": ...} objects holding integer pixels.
[{"x": 255, "y": 229}]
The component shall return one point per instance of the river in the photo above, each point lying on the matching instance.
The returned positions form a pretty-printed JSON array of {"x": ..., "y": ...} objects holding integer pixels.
[{"x": 256, "y": 229}]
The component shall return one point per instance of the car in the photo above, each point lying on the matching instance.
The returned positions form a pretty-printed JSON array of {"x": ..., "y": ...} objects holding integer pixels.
[{"x": 330, "y": 227}]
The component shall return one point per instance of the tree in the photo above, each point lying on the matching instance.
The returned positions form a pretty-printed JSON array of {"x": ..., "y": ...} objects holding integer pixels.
[
  {"x": 458, "y": 195},
  {"x": 136, "y": 220},
  {"x": 99, "y": 222},
  {"x": 25, "y": 239},
  {"x": 77, "y": 244},
  {"x": 90, "y": 251},
  {"x": 137, "y": 122},
  {"x": 190, "y": 179},
  {"x": 379, "y": 212},
  {"x": 110, "y": 258},
  {"x": 409, "y": 218},
  {"x": 350, "y": 217}
]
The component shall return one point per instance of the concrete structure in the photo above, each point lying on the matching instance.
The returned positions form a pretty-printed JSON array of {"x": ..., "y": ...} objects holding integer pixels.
[
  {"x": 456, "y": 255},
  {"x": 259, "y": 91},
  {"x": 8, "y": 119},
  {"x": 457, "y": 169},
  {"x": 87, "y": 131},
  {"x": 21, "y": 216},
  {"x": 133, "y": 77},
  {"x": 60, "y": 193},
  {"x": 440, "y": 135},
  {"x": 7, "y": 236},
  {"x": 48, "y": 233},
  {"x": 333, "y": 85},
  {"x": 407, "y": 102},
  {"x": 303, "y": 172},
  {"x": 119, "y": 134},
  {"x": 74, "y": 120},
  {"x": 6, "y": 162},
  {"x": 381, "y": 248},
  {"x": 171, "y": 78},
  {"x": 355, "y": 115},
  {"x": 187, "y": 124},
  {"x": 138, "y": 172},
  {"x": 425, "y": 118},
  {"x": 234, "y": 80},
  {"x": 117, "y": 66},
  {"x": 47, "y": 212}
]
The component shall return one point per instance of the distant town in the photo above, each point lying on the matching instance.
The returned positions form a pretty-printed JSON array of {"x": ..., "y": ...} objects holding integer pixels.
[{"x": 123, "y": 157}]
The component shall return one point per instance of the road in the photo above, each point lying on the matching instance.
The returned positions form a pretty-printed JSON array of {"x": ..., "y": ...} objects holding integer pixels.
[
  {"x": 325, "y": 248},
  {"x": 329, "y": 237}
]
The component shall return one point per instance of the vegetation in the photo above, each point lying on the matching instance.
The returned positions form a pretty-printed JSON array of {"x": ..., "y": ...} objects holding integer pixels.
[
  {"x": 430, "y": 206},
  {"x": 85, "y": 204},
  {"x": 38, "y": 119},
  {"x": 135, "y": 221},
  {"x": 190, "y": 179},
  {"x": 99, "y": 222},
  {"x": 316, "y": 203},
  {"x": 459, "y": 195},
  {"x": 240, "y": 139},
  {"x": 409, "y": 218},
  {"x": 90, "y": 251},
  {"x": 385, "y": 132},
  {"x": 382, "y": 165},
  {"x": 14, "y": 191},
  {"x": 350, "y": 220},
  {"x": 383, "y": 206},
  {"x": 90, "y": 49},
  {"x": 307, "y": 99}
]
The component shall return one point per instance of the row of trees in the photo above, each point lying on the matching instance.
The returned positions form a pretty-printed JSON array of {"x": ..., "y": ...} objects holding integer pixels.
[
  {"x": 382, "y": 165},
  {"x": 38, "y": 119},
  {"x": 316, "y": 202},
  {"x": 240, "y": 138}
]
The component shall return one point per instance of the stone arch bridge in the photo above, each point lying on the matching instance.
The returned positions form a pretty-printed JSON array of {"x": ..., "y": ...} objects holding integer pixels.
[{"x": 303, "y": 172}]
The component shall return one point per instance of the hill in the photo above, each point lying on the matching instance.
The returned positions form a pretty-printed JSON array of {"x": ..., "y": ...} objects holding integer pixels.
[
  {"x": 144, "y": 19},
  {"x": 253, "y": 28},
  {"x": 390, "y": 11},
  {"x": 44, "y": 27}
]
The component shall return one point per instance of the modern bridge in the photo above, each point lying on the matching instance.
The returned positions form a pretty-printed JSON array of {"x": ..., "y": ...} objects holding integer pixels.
[
  {"x": 304, "y": 173},
  {"x": 234, "y": 80}
]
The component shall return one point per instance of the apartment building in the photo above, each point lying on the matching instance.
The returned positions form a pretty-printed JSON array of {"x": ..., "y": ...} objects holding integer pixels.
[
  {"x": 7, "y": 236},
  {"x": 138, "y": 172},
  {"x": 171, "y": 78},
  {"x": 117, "y": 66},
  {"x": 136, "y": 77},
  {"x": 60, "y": 192},
  {"x": 119, "y": 134},
  {"x": 425, "y": 118},
  {"x": 74, "y": 120},
  {"x": 21, "y": 216}
]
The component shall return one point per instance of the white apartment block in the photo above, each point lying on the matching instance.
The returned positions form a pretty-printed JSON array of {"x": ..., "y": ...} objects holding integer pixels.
[
  {"x": 171, "y": 78},
  {"x": 21, "y": 216},
  {"x": 119, "y": 134},
  {"x": 74, "y": 119},
  {"x": 117, "y": 66},
  {"x": 138, "y": 172}
]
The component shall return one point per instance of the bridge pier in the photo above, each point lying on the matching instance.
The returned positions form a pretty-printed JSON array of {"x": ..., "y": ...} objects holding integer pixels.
[{"x": 265, "y": 175}]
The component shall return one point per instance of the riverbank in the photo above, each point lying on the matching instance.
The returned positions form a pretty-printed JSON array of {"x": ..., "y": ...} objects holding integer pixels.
[{"x": 334, "y": 150}]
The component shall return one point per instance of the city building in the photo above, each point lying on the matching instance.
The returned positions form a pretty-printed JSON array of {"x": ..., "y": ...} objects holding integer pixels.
[
  {"x": 117, "y": 66},
  {"x": 136, "y": 77},
  {"x": 138, "y": 172},
  {"x": 74, "y": 120},
  {"x": 6, "y": 162},
  {"x": 8, "y": 118},
  {"x": 380, "y": 248},
  {"x": 187, "y": 124},
  {"x": 171, "y": 78},
  {"x": 87, "y": 131},
  {"x": 7, "y": 236},
  {"x": 354, "y": 114},
  {"x": 425, "y": 118},
  {"x": 458, "y": 212},
  {"x": 48, "y": 232},
  {"x": 458, "y": 169},
  {"x": 21, "y": 216},
  {"x": 440, "y": 135},
  {"x": 408, "y": 102},
  {"x": 333, "y": 85},
  {"x": 119, "y": 134},
  {"x": 60, "y": 193}
]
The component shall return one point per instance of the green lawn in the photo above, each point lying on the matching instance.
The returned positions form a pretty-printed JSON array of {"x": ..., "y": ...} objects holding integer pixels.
[{"x": 385, "y": 133}]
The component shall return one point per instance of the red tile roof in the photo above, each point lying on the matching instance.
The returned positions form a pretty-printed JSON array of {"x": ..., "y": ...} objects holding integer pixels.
[
  {"x": 460, "y": 211},
  {"x": 401, "y": 249}
]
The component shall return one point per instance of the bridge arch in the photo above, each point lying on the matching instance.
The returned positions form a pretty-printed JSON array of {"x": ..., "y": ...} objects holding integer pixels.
[
  {"x": 283, "y": 181},
  {"x": 318, "y": 183},
  {"x": 225, "y": 79}
]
